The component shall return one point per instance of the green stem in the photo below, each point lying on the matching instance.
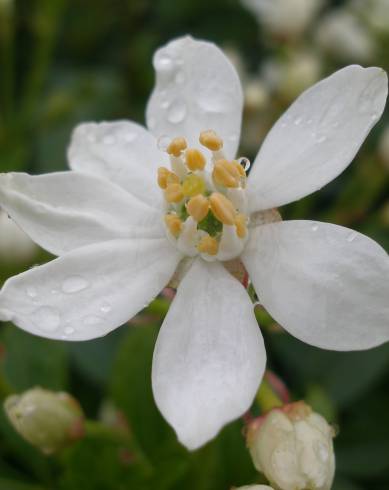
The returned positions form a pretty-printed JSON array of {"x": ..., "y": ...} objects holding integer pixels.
[
  {"x": 158, "y": 307},
  {"x": 267, "y": 398},
  {"x": 7, "y": 58}
]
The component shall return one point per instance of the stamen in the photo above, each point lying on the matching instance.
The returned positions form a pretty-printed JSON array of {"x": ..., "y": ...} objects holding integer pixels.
[
  {"x": 173, "y": 193},
  {"x": 198, "y": 207},
  {"x": 211, "y": 140},
  {"x": 241, "y": 225},
  {"x": 177, "y": 146},
  {"x": 173, "y": 223},
  {"x": 208, "y": 245},
  {"x": 195, "y": 160},
  {"x": 226, "y": 173},
  {"x": 222, "y": 208},
  {"x": 166, "y": 177},
  {"x": 193, "y": 185}
]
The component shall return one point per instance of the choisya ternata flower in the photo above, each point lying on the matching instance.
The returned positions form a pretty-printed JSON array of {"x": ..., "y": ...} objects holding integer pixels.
[{"x": 128, "y": 214}]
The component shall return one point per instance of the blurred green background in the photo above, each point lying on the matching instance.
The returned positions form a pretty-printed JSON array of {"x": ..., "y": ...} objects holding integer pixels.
[{"x": 67, "y": 61}]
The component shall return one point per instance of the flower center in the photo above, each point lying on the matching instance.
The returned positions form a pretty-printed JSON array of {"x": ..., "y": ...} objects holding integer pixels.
[{"x": 206, "y": 203}]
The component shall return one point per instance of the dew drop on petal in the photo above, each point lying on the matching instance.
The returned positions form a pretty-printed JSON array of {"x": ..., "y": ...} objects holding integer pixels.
[
  {"x": 177, "y": 112},
  {"x": 245, "y": 162},
  {"x": 128, "y": 137},
  {"x": 320, "y": 138},
  {"x": 46, "y": 318},
  {"x": 31, "y": 292},
  {"x": 69, "y": 330},
  {"x": 164, "y": 63},
  {"x": 74, "y": 284},
  {"x": 105, "y": 308},
  {"x": 315, "y": 227},
  {"x": 165, "y": 104},
  {"x": 298, "y": 121},
  {"x": 351, "y": 237},
  {"x": 91, "y": 320}
]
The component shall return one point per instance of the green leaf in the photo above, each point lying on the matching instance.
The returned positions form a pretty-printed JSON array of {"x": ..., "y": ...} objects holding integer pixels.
[
  {"x": 6, "y": 484},
  {"x": 32, "y": 361}
]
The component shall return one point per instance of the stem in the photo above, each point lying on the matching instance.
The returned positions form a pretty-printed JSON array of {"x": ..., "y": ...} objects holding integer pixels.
[
  {"x": 267, "y": 398},
  {"x": 7, "y": 58}
]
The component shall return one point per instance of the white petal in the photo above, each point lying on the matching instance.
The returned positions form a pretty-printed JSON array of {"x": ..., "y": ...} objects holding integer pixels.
[
  {"x": 65, "y": 210},
  {"x": 327, "y": 285},
  {"x": 196, "y": 88},
  {"x": 209, "y": 357},
  {"x": 121, "y": 151},
  {"x": 317, "y": 137},
  {"x": 89, "y": 291}
]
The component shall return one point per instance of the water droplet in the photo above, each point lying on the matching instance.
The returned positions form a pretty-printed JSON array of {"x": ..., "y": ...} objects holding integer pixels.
[
  {"x": 69, "y": 330},
  {"x": 180, "y": 77},
  {"x": 129, "y": 137},
  {"x": 46, "y": 318},
  {"x": 164, "y": 63},
  {"x": 374, "y": 116},
  {"x": 108, "y": 139},
  {"x": 320, "y": 138},
  {"x": 74, "y": 284},
  {"x": 105, "y": 308},
  {"x": 233, "y": 137},
  {"x": 92, "y": 320},
  {"x": 298, "y": 120},
  {"x": 54, "y": 291},
  {"x": 352, "y": 236},
  {"x": 309, "y": 121},
  {"x": 315, "y": 227},
  {"x": 163, "y": 142},
  {"x": 31, "y": 292},
  {"x": 245, "y": 162},
  {"x": 177, "y": 112},
  {"x": 165, "y": 104}
]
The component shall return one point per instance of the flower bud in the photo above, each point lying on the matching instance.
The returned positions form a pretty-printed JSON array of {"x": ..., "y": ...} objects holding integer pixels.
[
  {"x": 293, "y": 447},
  {"x": 47, "y": 420}
]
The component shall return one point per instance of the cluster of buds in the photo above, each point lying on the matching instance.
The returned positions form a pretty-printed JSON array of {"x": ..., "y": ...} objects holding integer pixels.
[
  {"x": 47, "y": 420},
  {"x": 292, "y": 446},
  {"x": 206, "y": 206}
]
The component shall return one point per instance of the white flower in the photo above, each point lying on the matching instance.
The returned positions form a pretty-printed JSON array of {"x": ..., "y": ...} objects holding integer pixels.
[
  {"x": 15, "y": 245},
  {"x": 344, "y": 36},
  {"x": 284, "y": 17},
  {"x": 293, "y": 447},
  {"x": 106, "y": 220}
]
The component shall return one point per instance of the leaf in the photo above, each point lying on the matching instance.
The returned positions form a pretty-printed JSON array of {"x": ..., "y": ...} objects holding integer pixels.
[
  {"x": 6, "y": 484},
  {"x": 31, "y": 361}
]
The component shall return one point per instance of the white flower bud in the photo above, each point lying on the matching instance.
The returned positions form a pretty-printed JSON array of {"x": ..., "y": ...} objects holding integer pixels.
[
  {"x": 284, "y": 17},
  {"x": 293, "y": 447},
  {"x": 47, "y": 420},
  {"x": 15, "y": 245}
]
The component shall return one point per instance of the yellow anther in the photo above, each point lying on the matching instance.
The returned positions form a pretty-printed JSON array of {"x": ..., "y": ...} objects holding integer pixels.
[
  {"x": 166, "y": 177},
  {"x": 173, "y": 193},
  {"x": 222, "y": 208},
  {"x": 211, "y": 140},
  {"x": 198, "y": 207},
  {"x": 208, "y": 245},
  {"x": 193, "y": 185},
  {"x": 173, "y": 223},
  {"x": 241, "y": 225},
  {"x": 195, "y": 160},
  {"x": 177, "y": 146},
  {"x": 225, "y": 173}
]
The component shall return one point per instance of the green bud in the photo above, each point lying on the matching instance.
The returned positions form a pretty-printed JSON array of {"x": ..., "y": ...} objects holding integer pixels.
[{"x": 48, "y": 420}]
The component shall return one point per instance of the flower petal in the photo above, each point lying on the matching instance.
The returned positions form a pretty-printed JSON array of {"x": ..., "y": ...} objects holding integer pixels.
[
  {"x": 317, "y": 137},
  {"x": 325, "y": 284},
  {"x": 123, "y": 152},
  {"x": 197, "y": 88},
  {"x": 209, "y": 357},
  {"x": 89, "y": 291},
  {"x": 62, "y": 211}
]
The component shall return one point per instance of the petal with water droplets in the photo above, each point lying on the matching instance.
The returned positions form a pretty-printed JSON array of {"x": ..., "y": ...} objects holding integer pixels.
[
  {"x": 317, "y": 137},
  {"x": 122, "y": 152},
  {"x": 325, "y": 284},
  {"x": 197, "y": 88},
  {"x": 90, "y": 291},
  {"x": 62, "y": 211},
  {"x": 209, "y": 357}
]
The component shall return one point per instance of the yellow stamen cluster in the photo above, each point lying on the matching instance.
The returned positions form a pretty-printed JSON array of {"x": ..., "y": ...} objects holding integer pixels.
[{"x": 188, "y": 191}]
